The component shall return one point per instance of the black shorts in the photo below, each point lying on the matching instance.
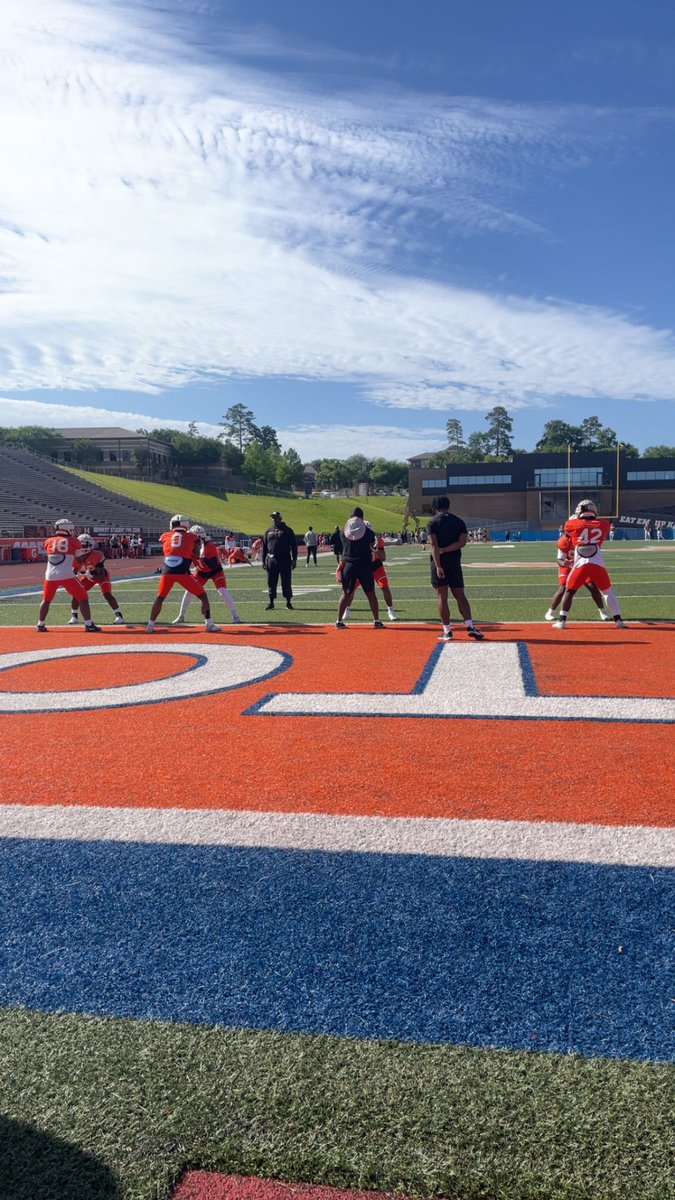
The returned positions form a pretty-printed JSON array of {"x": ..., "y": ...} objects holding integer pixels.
[
  {"x": 453, "y": 573},
  {"x": 354, "y": 572}
]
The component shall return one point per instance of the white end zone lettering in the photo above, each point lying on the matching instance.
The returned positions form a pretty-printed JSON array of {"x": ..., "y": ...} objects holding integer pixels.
[{"x": 212, "y": 668}]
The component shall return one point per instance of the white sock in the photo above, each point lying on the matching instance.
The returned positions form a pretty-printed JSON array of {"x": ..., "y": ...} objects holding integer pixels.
[
  {"x": 89, "y": 622},
  {"x": 612, "y": 603},
  {"x": 469, "y": 623},
  {"x": 151, "y": 624},
  {"x": 228, "y": 600},
  {"x": 345, "y": 615}
]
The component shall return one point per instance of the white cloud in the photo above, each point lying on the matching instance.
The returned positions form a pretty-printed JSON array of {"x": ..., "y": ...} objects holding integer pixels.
[
  {"x": 166, "y": 221},
  {"x": 310, "y": 441}
]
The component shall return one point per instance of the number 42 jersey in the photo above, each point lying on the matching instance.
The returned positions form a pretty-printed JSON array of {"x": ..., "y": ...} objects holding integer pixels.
[{"x": 588, "y": 535}]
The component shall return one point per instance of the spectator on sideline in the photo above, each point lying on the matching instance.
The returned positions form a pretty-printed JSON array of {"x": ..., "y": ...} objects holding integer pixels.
[
  {"x": 448, "y": 536},
  {"x": 310, "y": 543},
  {"x": 280, "y": 556},
  {"x": 335, "y": 540},
  {"x": 356, "y": 566}
]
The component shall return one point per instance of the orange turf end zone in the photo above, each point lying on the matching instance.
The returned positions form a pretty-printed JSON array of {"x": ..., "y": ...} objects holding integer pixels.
[
  {"x": 609, "y": 774},
  {"x": 203, "y": 1185}
]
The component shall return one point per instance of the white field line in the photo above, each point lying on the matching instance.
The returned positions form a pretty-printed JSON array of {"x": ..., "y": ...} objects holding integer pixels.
[{"x": 630, "y": 846}]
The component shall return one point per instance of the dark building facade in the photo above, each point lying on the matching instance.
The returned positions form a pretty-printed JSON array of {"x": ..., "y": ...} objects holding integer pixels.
[{"x": 535, "y": 490}]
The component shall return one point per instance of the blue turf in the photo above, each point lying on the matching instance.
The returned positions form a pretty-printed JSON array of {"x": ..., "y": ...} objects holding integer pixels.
[{"x": 485, "y": 953}]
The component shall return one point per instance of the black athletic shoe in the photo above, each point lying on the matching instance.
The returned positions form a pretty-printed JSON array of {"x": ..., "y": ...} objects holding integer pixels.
[
  {"x": 41, "y": 629},
  {"x": 269, "y": 606},
  {"x": 378, "y": 625},
  {"x": 446, "y": 637},
  {"x": 288, "y": 604},
  {"x": 476, "y": 634},
  {"x": 340, "y": 625},
  {"x": 92, "y": 629}
]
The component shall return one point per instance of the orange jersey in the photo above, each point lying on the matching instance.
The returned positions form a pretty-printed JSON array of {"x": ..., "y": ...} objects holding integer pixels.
[
  {"x": 61, "y": 552},
  {"x": 93, "y": 565},
  {"x": 587, "y": 535},
  {"x": 179, "y": 551},
  {"x": 208, "y": 563}
]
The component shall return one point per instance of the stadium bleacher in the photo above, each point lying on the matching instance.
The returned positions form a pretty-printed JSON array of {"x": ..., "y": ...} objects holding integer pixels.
[{"x": 35, "y": 492}]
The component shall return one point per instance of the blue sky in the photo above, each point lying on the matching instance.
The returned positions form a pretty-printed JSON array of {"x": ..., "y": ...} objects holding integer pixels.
[{"x": 358, "y": 220}]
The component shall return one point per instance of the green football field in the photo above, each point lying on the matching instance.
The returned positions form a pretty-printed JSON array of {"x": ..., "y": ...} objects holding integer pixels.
[{"x": 504, "y": 583}]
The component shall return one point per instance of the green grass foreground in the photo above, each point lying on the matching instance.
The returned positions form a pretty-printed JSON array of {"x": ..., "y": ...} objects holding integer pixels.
[
  {"x": 142, "y": 1101},
  {"x": 503, "y": 584},
  {"x": 251, "y": 514}
]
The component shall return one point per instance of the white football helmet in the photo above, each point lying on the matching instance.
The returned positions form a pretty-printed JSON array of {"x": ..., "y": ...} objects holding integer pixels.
[
  {"x": 586, "y": 508},
  {"x": 64, "y": 526},
  {"x": 199, "y": 530},
  {"x": 87, "y": 541},
  {"x": 179, "y": 522}
]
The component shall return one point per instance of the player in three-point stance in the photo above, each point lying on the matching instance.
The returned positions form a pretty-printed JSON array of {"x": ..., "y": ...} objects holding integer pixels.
[
  {"x": 63, "y": 551},
  {"x": 91, "y": 571},
  {"x": 179, "y": 546},
  {"x": 565, "y": 563},
  {"x": 588, "y": 531},
  {"x": 379, "y": 575},
  {"x": 207, "y": 566}
]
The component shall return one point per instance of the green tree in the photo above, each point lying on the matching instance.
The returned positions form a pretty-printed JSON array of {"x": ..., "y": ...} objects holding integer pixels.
[
  {"x": 455, "y": 433},
  {"x": 266, "y": 436},
  {"x": 238, "y": 425},
  {"x": 333, "y": 474},
  {"x": 256, "y": 464},
  {"x": 359, "y": 469},
  {"x": 558, "y": 435},
  {"x": 86, "y": 453},
  {"x": 38, "y": 438},
  {"x": 628, "y": 450},
  {"x": 141, "y": 456},
  {"x": 389, "y": 473},
  {"x": 289, "y": 469},
  {"x": 659, "y": 452},
  {"x": 500, "y": 428},
  {"x": 597, "y": 436},
  {"x": 477, "y": 445}
]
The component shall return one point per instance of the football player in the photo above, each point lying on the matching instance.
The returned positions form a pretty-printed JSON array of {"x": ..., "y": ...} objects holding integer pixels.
[
  {"x": 380, "y": 577},
  {"x": 63, "y": 550},
  {"x": 92, "y": 571},
  {"x": 588, "y": 532},
  {"x": 565, "y": 562},
  {"x": 179, "y": 546},
  {"x": 207, "y": 566}
]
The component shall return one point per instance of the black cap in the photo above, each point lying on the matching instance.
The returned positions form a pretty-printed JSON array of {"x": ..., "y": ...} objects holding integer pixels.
[{"x": 275, "y": 514}]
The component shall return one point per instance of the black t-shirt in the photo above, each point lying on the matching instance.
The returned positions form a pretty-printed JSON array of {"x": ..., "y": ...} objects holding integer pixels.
[
  {"x": 281, "y": 543},
  {"x": 361, "y": 550},
  {"x": 447, "y": 528}
]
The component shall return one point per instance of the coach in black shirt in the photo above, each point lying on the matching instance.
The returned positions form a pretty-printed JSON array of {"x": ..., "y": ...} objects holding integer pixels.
[
  {"x": 279, "y": 556},
  {"x": 447, "y": 537},
  {"x": 356, "y": 566}
]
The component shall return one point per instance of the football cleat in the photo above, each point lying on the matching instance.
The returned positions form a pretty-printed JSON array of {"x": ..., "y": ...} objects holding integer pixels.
[
  {"x": 64, "y": 526},
  {"x": 605, "y": 616},
  {"x": 619, "y": 623},
  {"x": 150, "y": 627},
  {"x": 179, "y": 522},
  {"x": 74, "y": 620},
  {"x": 92, "y": 629},
  {"x": 549, "y": 615},
  {"x": 378, "y": 625},
  {"x": 392, "y": 614},
  {"x": 446, "y": 637},
  {"x": 476, "y": 634},
  {"x": 340, "y": 625},
  {"x": 560, "y": 624},
  {"x": 236, "y": 620},
  {"x": 119, "y": 620},
  {"x": 41, "y": 629},
  {"x": 211, "y": 627}
]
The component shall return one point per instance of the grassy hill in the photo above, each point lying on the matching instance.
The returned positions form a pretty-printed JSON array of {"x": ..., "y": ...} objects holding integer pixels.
[{"x": 251, "y": 514}]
